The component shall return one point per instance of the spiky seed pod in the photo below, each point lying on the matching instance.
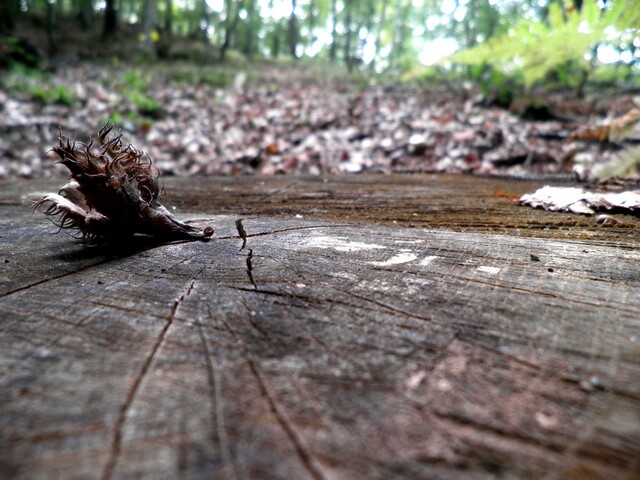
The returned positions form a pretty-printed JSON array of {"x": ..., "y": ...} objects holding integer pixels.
[{"x": 114, "y": 192}]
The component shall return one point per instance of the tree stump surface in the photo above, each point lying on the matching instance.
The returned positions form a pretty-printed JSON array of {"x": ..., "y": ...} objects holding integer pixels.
[{"x": 371, "y": 327}]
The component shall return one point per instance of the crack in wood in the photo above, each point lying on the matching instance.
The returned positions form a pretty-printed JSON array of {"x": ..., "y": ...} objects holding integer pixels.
[
  {"x": 257, "y": 327},
  {"x": 229, "y": 469},
  {"x": 483, "y": 428},
  {"x": 272, "y": 232},
  {"x": 55, "y": 277},
  {"x": 562, "y": 455},
  {"x": 393, "y": 309},
  {"x": 116, "y": 442},
  {"x": 304, "y": 453},
  {"x": 242, "y": 233},
  {"x": 264, "y": 291},
  {"x": 529, "y": 291},
  {"x": 250, "y": 269}
]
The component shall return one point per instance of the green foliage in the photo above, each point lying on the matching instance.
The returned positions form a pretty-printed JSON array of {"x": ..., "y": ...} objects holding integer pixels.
[
  {"x": 214, "y": 76},
  {"x": 20, "y": 78},
  {"x": 144, "y": 104},
  {"x": 17, "y": 52},
  {"x": 534, "y": 49},
  {"x": 23, "y": 80},
  {"x": 133, "y": 79},
  {"x": 50, "y": 95},
  {"x": 133, "y": 86}
]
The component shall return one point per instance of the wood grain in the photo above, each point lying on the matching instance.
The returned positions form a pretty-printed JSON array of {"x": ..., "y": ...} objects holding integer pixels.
[{"x": 349, "y": 338}]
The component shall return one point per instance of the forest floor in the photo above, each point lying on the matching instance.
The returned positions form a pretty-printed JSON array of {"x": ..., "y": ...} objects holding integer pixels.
[{"x": 296, "y": 120}]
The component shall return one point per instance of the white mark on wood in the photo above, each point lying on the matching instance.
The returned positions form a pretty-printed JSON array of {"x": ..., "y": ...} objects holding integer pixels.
[
  {"x": 545, "y": 421},
  {"x": 398, "y": 259},
  {"x": 416, "y": 379},
  {"x": 427, "y": 260},
  {"x": 489, "y": 270},
  {"x": 444, "y": 385},
  {"x": 340, "y": 244},
  {"x": 410, "y": 242}
]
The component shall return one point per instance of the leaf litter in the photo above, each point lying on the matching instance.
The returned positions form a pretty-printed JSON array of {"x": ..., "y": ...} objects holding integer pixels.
[{"x": 294, "y": 121}]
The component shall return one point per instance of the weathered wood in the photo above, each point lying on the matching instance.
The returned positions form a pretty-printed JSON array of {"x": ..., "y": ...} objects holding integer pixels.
[{"x": 373, "y": 327}]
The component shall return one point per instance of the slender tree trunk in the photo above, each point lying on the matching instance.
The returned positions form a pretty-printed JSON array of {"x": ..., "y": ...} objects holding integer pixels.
[
  {"x": 275, "y": 41},
  {"x": 231, "y": 24},
  {"x": 110, "y": 19},
  {"x": 8, "y": 11},
  {"x": 204, "y": 15},
  {"x": 168, "y": 18},
  {"x": 348, "y": 60},
  {"x": 333, "y": 52},
  {"x": 293, "y": 31},
  {"x": 148, "y": 22},
  {"x": 249, "y": 43},
  {"x": 381, "y": 23},
  {"x": 399, "y": 33},
  {"x": 84, "y": 12},
  {"x": 312, "y": 18},
  {"x": 51, "y": 18}
]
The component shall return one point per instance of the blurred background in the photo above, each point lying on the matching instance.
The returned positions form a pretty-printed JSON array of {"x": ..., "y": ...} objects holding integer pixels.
[{"x": 321, "y": 86}]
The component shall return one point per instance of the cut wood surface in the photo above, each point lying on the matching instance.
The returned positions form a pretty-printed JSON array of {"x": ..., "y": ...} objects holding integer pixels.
[{"x": 371, "y": 327}]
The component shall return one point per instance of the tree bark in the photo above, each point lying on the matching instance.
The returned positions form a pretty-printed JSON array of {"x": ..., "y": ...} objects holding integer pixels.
[
  {"x": 8, "y": 11},
  {"x": 293, "y": 31},
  {"x": 381, "y": 24},
  {"x": 205, "y": 21},
  {"x": 110, "y": 19},
  {"x": 231, "y": 24},
  {"x": 168, "y": 18},
  {"x": 333, "y": 51},
  {"x": 51, "y": 18},
  {"x": 347, "y": 54},
  {"x": 149, "y": 16}
]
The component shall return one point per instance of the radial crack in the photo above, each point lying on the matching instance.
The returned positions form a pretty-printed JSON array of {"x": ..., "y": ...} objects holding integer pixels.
[
  {"x": 116, "y": 442},
  {"x": 250, "y": 269},
  {"x": 242, "y": 233},
  {"x": 303, "y": 451},
  {"x": 217, "y": 412}
]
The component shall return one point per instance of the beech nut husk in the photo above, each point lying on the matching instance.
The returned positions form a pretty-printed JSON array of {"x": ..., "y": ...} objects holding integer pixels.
[{"x": 113, "y": 192}]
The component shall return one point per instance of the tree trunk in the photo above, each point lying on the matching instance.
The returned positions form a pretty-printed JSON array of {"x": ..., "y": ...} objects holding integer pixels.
[
  {"x": 168, "y": 18},
  {"x": 110, "y": 19},
  {"x": 51, "y": 18},
  {"x": 205, "y": 21},
  {"x": 249, "y": 39},
  {"x": 348, "y": 59},
  {"x": 333, "y": 51},
  {"x": 84, "y": 13},
  {"x": 399, "y": 34},
  {"x": 382, "y": 21},
  {"x": 231, "y": 24},
  {"x": 8, "y": 11},
  {"x": 149, "y": 15},
  {"x": 293, "y": 31},
  {"x": 276, "y": 41}
]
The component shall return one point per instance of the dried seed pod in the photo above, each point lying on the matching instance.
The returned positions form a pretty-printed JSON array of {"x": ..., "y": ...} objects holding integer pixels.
[{"x": 114, "y": 192}]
